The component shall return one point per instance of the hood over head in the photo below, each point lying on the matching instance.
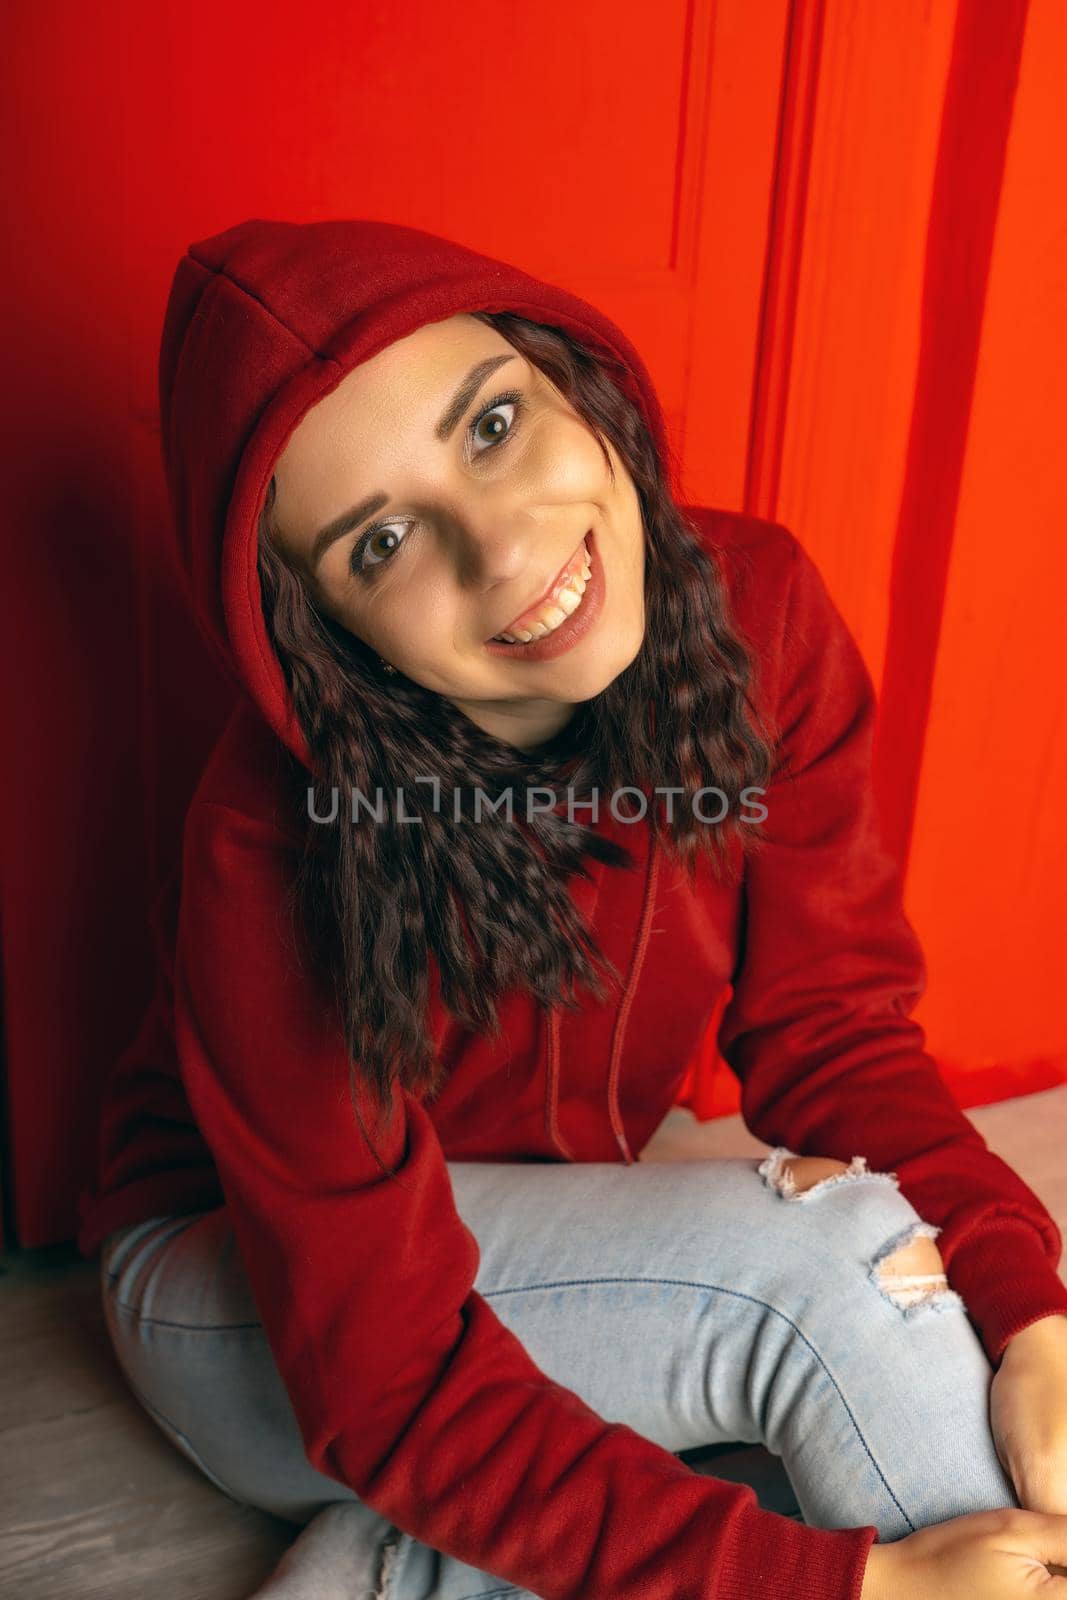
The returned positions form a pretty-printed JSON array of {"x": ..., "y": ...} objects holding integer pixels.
[{"x": 264, "y": 320}]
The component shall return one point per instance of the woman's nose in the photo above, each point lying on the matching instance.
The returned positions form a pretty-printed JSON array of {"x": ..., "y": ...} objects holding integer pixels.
[{"x": 496, "y": 550}]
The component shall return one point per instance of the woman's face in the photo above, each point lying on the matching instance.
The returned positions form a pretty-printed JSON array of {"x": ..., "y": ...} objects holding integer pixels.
[{"x": 432, "y": 501}]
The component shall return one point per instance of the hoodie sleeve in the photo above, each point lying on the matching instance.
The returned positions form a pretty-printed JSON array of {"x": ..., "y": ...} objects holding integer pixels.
[
  {"x": 818, "y": 1029},
  {"x": 406, "y": 1385}
]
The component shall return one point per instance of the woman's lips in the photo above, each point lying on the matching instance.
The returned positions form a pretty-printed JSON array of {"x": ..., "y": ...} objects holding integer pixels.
[
  {"x": 570, "y": 569},
  {"x": 572, "y": 628}
]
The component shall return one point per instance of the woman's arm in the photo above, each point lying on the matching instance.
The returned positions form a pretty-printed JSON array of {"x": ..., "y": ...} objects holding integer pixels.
[
  {"x": 406, "y": 1385},
  {"x": 818, "y": 1028}
]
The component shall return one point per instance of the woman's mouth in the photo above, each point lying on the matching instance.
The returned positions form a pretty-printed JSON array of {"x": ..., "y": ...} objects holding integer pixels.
[{"x": 563, "y": 616}]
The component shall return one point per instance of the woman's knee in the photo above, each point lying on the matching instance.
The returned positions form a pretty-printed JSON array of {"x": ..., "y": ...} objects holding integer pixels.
[
  {"x": 905, "y": 1264},
  {"x": 186, "y": 1333}
]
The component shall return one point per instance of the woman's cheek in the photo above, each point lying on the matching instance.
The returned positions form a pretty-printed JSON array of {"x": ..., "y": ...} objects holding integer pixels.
[{"x": 566, "y": 462}]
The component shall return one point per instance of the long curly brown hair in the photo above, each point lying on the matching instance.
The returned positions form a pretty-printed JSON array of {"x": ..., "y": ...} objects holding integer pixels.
[{"x": 490, "y": 903}]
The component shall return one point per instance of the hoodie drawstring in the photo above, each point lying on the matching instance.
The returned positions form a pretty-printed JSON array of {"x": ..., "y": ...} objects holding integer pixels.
[
  {"x": 552, "y": 1087},
  {"x": 618, "y": 1033}
]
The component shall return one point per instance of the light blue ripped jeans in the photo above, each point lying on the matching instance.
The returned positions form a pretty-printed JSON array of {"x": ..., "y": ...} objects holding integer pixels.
[{"x": 701, "y": 1302}]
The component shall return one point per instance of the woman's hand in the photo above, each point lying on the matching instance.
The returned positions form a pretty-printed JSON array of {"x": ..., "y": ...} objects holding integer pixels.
[
  {"x": 987, "y": 1555},
  {"x": 1007, "y": 1554},
  {"x": 1028, "y": 1414}
]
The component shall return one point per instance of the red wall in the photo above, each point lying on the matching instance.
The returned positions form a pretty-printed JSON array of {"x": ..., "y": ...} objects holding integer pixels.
[{"x": 835, "y": 231}]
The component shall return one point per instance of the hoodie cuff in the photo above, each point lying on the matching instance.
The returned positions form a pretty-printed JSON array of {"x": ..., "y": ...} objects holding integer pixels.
[
  {"x": 779, "y": 1559},
  {"x": 1007, "y": 1282}
]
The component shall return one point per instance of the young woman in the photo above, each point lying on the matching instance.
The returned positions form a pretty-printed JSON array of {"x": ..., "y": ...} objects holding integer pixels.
[{"x": 529, "y": 763}]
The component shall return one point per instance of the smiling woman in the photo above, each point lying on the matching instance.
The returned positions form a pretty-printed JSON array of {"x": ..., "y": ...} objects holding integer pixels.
[
  {"x": 484, "y": 1327},
  {"x": 488, "y": 522}
]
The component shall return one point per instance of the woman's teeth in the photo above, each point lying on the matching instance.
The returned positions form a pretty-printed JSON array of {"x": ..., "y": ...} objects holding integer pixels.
[{"x": 566, "y": 600}]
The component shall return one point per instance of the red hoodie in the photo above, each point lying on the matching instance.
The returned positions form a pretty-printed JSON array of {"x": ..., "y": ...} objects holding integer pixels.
[{"x": 406, "y": 1385}]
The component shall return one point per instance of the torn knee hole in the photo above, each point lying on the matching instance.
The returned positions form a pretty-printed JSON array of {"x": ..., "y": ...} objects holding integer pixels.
[
  {"x": 914, "y": 1272},
  {"x": 389, "y": 1555},
  {"x": 795, "y": 1177},
  {"x": 806, "y": 1171},
  {"x": 909, "y": 1270}
]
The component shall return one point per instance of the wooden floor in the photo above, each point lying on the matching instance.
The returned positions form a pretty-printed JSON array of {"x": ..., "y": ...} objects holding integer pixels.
[{"x": 95, "y": 1502}]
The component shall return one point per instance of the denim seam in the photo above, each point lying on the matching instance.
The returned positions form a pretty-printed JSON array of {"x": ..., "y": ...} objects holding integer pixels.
[
  {"x": 737, "y": 1294},
  {"x": 578, "y": 1283},
  {"x": 184, "y": 1327},
  {"x": 163, "y": 1421}
]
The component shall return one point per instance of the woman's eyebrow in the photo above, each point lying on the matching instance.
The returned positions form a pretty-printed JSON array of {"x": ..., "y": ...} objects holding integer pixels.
[
  {"x": 445, "y": 428},
  {"x": 466, "y": 392}
]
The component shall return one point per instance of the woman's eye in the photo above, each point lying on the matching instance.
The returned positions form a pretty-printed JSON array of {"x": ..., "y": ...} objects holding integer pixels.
[
  {"x": 490, "y": 427},
  {"x": 374, "y": 548},
  {"x": 495, "y": 427}
]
